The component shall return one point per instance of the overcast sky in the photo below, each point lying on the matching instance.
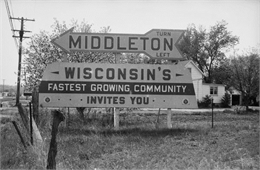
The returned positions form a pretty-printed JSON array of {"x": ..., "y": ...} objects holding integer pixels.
[{"x": 126, "y": 16}]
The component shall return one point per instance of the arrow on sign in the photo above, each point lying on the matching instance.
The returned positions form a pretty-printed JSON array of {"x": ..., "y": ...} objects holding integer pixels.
[
  {"x": 55, "y": 72},
  {"x": 177, "y": 75},
  {"x": 157, "y": 43}
]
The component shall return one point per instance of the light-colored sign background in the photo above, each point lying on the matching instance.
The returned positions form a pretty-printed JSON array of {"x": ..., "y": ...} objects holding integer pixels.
[{"x": 178, "y": 73}]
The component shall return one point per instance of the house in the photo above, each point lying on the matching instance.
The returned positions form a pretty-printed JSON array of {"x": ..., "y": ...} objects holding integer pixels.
[
  {"x": 217, "y": 91},
  {"x": 4, "y": 94},
  {"x": 235, "y": 96}
]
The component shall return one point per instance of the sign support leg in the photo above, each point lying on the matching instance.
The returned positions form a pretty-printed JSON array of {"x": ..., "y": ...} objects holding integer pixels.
[
  {"x": 169, "y": 118},
  {"x": 116, "y": 118},
  {"x": 116, "y": 110},
  {"x": 212, "y": 119}
]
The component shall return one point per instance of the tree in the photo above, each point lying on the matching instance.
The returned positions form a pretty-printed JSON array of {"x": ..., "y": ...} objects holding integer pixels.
[
  {"x": 133, "y": 58},
  {"x": 245, "y": 76},
  {"x": 221, "y": 74},
  {"x": 41, "y": 52},
  {"x": 225, "y": 100},
  {"x": 207, "y": 49}
]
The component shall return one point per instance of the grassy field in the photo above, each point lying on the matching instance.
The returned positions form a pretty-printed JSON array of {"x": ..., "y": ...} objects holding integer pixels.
[
  {"x": 11, "y": 101},
  {"x": 142, "y": 143}
]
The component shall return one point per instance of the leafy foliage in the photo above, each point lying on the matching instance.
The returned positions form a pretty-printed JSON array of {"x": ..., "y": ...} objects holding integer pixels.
[
  {"x": 132, "y": 58},
  {"x": 222, "y": 73},
  {"x": 206, "y": 49},
  {"x": 244, "y": 71},
  {"x": 225, "y": 100}
]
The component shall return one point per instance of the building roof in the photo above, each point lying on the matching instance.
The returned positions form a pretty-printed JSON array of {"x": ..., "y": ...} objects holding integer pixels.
[
  {"x": 213, "y": 84},
  {"x": 186, "y": 62}
]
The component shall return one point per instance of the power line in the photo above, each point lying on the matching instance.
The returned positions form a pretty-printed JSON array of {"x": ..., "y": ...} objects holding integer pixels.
[
  {"x": 11, "y": 22},
  {"x": 12, "y": 12}
]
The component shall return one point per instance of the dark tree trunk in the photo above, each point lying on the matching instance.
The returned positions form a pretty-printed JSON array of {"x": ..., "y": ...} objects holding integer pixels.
[
  {"x": 81, "y": 113},
  {"x": 58, "y": 117},
  {"x": 68, "y": 118},
  {"x": 247, "y": 102}
]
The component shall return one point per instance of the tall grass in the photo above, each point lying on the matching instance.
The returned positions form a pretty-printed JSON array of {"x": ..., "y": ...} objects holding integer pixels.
[{"x": 233, "y": 143}]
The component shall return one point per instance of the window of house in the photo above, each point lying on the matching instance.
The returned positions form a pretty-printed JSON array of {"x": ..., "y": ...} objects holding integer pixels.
[
  {"x": 214, "y": 90},
  {"x": 189, "y": 69}
]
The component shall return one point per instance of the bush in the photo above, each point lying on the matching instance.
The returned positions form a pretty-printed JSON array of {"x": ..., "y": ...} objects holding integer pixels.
[
  {"x": 205, "y": 103},
  {"x": 225, "y": 101}
]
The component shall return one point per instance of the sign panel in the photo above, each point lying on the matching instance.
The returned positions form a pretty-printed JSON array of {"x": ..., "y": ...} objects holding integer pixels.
[
  {"x": 116, "y": 85},
  {"x": 157, "y": 43},
  {"x": 27, "y": 92}
]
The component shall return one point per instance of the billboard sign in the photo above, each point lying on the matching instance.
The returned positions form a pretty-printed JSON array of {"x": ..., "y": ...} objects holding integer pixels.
[{"x": 117, "y": 85}]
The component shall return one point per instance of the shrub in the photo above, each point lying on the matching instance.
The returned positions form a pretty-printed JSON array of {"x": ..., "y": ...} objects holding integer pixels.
[
  {"x": 205, "y": 103},
  {"x": 225, "y": 101}
]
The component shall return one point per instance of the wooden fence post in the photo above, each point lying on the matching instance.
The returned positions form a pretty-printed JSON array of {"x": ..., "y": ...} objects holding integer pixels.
[
  {"x": 19, "y": 133},
  {"x": 169, "y": 118},
  {"x": 116, "y": 118}
]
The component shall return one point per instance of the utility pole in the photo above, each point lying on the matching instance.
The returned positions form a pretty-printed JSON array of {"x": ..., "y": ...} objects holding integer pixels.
[{"x": 21, "y": 33}]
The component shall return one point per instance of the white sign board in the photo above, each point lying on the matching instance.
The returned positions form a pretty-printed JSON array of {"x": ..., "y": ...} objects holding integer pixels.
[
  {"x": 116, "y": 85},
  {"x": 157, "y": 43}
]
